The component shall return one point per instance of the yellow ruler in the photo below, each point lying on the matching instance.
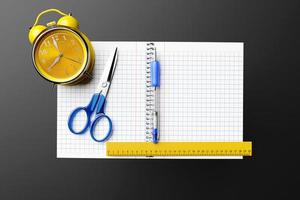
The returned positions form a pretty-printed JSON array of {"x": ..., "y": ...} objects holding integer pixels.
[{"x": 179, "y": 149}]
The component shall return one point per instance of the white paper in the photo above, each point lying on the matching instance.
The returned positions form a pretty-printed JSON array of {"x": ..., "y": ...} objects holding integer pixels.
[{"x": 201, "y": 95}]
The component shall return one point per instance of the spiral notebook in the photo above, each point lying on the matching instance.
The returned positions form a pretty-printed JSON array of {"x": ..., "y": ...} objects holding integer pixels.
[{"x": 201, "y": 95}]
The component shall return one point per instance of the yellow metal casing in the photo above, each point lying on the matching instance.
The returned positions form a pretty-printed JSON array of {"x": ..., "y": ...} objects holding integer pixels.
[{"x": 34, "y": 32}]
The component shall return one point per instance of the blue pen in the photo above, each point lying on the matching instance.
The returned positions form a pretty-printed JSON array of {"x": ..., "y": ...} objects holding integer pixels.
[{"x": 155, "y": 82}]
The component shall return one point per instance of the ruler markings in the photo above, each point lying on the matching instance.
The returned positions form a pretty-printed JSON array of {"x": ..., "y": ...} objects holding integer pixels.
[{"x": 179, "y": 149}]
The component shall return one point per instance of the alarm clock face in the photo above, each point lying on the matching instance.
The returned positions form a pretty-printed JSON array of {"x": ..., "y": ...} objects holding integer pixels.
[{"x": 60, "y": 55}]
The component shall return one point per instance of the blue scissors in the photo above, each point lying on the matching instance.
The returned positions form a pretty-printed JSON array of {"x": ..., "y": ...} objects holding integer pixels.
[{"x": 97, "y": 103}]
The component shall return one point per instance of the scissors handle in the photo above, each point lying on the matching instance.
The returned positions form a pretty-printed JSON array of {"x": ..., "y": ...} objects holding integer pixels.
[
  {"x": 96, "y": 104},
  {"x": 73, "y": 115},
  {"x": 99, "y": 117},
  {"x": 88, "y": 110}
]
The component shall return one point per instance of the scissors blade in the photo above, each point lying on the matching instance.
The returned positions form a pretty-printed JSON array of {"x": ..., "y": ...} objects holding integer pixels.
[{"x": 108, "y": 72}]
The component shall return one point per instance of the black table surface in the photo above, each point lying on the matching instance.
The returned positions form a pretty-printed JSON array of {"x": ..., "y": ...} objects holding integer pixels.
[{"x": 269, "y": 29}]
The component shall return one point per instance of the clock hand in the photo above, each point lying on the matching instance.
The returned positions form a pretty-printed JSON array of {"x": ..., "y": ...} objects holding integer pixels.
[
  {"x": 57, "y": 59},
  {"x": 71, "y": 59},
  {"x": 55, "y": 44}
]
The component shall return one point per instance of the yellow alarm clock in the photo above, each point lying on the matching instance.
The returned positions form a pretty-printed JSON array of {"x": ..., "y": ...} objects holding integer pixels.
[{"x": 61, "y": 53}]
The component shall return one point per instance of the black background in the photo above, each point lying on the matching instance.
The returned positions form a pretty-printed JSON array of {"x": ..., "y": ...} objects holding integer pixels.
[{"x": 29, "y": 168}]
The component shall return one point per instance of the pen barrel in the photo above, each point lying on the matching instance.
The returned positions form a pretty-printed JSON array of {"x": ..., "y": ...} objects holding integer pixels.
[
  {"x": 155, "y": 120},
  {"x": 155, "y": 82},
  {"x": 155, "y": 135},
  {"x": 155, "y": 73},
  {"x": 155, "y": 117},
  {"x": 156, "y": 100}
]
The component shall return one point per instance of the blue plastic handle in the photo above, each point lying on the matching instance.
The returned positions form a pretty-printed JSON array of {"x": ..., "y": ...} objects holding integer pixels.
[
  {"x": 73, "y": 115},
  {"x": 93, "y": 126},
  {"x": 155, "y": 73},
  {"x": 88, "y": 111},
  {"x": 97, "y": 103},
  {"x": 101, "y": 103}
]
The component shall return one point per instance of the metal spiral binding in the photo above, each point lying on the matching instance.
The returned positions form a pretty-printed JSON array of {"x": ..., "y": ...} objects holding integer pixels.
[{"x": 149, "y": 98}]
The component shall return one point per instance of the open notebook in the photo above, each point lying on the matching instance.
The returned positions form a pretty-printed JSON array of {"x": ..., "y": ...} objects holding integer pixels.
[{"x": 201, "y": 95}]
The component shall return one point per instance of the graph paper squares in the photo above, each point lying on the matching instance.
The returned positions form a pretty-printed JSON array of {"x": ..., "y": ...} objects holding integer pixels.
[{"x": 201, "y": 95}]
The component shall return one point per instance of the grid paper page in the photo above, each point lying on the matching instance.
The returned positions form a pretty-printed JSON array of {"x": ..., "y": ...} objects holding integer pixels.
[
  {"x": 124, "y": 104},
  {"x": 201, "y": 91},
  {"x": 201, "y": 95}
]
